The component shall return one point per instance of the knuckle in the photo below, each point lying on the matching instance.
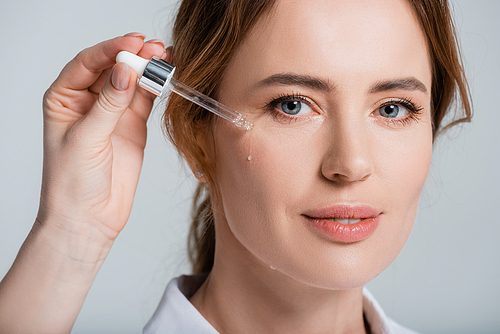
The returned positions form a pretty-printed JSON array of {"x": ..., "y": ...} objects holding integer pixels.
[
  {"x": 49, "y": 100},
  {"x": 49, "y": 95},
  {"x": 108, "y": 103},
  {"x": 46, "y": 96},
  {"x": 81, "y": 54}
]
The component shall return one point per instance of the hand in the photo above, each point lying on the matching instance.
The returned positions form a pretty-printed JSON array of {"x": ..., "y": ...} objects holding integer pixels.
[{"x": 94, "y": 139}]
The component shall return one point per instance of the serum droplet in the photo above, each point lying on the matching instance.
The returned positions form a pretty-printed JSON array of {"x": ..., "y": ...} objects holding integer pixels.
[
  {"x": 272, "y": 267},
  {"x": 249, "y": 158}
]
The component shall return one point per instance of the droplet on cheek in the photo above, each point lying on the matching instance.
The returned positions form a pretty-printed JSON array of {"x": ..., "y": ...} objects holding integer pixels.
[
  {"x": 249, "y": 144},
  {"x": 272, "y": 267}
]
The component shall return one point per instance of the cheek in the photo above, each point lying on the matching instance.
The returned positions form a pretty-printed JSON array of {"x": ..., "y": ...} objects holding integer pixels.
[
  {"x": 402, "y": 163},
  {"x": 404, "y": 172},
  {"x": 266, "y": 160},
  {"x": 261, "y": 167}
]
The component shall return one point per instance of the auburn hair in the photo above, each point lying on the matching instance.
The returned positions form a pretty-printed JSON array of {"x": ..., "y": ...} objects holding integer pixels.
[{"x": 205, "y": 35}]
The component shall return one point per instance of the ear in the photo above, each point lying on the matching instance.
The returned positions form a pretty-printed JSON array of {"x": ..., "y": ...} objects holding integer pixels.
[
  {"x": 202, "y": 164},
  {"x": 168, "y": 54},
  {"x": 197, "y": 170}
]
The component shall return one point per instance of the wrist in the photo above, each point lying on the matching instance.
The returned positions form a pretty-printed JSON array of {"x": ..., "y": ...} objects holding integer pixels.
[{"x": 76, "y": 241}]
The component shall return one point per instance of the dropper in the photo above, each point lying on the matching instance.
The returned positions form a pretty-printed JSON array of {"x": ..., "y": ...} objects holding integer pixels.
[{"x": 156, "y": 74}]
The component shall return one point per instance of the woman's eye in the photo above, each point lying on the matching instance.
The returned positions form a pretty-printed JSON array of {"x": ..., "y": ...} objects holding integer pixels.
[
  {"x": 393, "y": 111},
  {"x": 294, "y": 108}
]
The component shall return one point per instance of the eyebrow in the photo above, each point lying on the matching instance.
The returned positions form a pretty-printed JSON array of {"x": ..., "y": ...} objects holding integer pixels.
[
  {"x": 296, "y": 80},
  {"x": 398, "y": 84},
  {"x": 289, "y": 79}
]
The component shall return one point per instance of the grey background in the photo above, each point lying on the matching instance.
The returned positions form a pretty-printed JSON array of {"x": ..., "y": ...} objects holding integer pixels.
[{"x": 445, "y": 280}]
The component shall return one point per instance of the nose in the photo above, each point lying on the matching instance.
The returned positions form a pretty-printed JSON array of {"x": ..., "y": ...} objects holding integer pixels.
[{"x": 347, "y": 157}]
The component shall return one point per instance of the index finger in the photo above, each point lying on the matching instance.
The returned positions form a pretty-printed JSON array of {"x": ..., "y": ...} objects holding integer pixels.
[{"x": 87, "y": 66}]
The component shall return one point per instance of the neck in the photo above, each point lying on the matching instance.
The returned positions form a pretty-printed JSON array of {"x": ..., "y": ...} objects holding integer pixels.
[{"x": 242, "y": 294}]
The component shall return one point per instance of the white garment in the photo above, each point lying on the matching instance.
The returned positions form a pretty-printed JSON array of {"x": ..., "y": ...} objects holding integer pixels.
[{"x": 176, "y": 314}]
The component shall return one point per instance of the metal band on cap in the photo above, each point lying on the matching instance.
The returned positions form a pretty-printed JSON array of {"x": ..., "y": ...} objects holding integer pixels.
[{"x": 156, "y": 76}]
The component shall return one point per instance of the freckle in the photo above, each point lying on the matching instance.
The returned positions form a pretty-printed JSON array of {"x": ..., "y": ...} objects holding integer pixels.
[{"x": 249, "y": 158}]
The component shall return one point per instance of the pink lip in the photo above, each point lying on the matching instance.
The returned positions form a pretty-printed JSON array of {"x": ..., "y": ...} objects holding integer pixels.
[{"x": 319, "y": 219}]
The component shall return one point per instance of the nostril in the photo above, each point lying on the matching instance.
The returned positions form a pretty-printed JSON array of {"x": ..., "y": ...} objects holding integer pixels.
[{"x": 348, "y": 177}]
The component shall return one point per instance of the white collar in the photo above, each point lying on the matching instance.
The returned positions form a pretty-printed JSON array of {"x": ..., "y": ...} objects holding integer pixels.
[{"x": 176, "y": 314}]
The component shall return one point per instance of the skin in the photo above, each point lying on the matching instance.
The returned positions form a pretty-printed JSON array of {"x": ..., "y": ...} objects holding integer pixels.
[{"x": 273, "y": 272}]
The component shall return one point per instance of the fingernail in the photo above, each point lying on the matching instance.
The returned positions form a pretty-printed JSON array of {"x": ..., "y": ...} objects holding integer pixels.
[
  {"x": 120, "y": 76},
  {"x": 158, "y": 41},
  {"x": 135, "y": 34}
]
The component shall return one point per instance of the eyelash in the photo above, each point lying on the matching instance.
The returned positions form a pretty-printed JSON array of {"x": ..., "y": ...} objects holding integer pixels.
[{"x": 414, "y": 110}]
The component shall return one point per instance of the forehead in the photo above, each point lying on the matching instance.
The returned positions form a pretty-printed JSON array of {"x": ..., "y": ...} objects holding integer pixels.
[{"x": 335, "y": 38}]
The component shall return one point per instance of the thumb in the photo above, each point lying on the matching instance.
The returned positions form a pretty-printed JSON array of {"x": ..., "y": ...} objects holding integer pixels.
[{"x": 113, "y": 101}]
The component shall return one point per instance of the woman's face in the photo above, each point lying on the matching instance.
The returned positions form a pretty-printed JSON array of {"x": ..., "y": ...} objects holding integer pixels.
[{"x": 340, "y": 95}]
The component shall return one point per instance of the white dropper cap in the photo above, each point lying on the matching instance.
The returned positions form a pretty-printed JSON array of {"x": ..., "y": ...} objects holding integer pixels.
[
  {"x": 153, "y": 74},
  {"x": 132, "y": 60}
]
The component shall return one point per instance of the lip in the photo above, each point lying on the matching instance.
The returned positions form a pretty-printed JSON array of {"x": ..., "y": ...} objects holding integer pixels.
[{"x": 319, "y": 220}]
